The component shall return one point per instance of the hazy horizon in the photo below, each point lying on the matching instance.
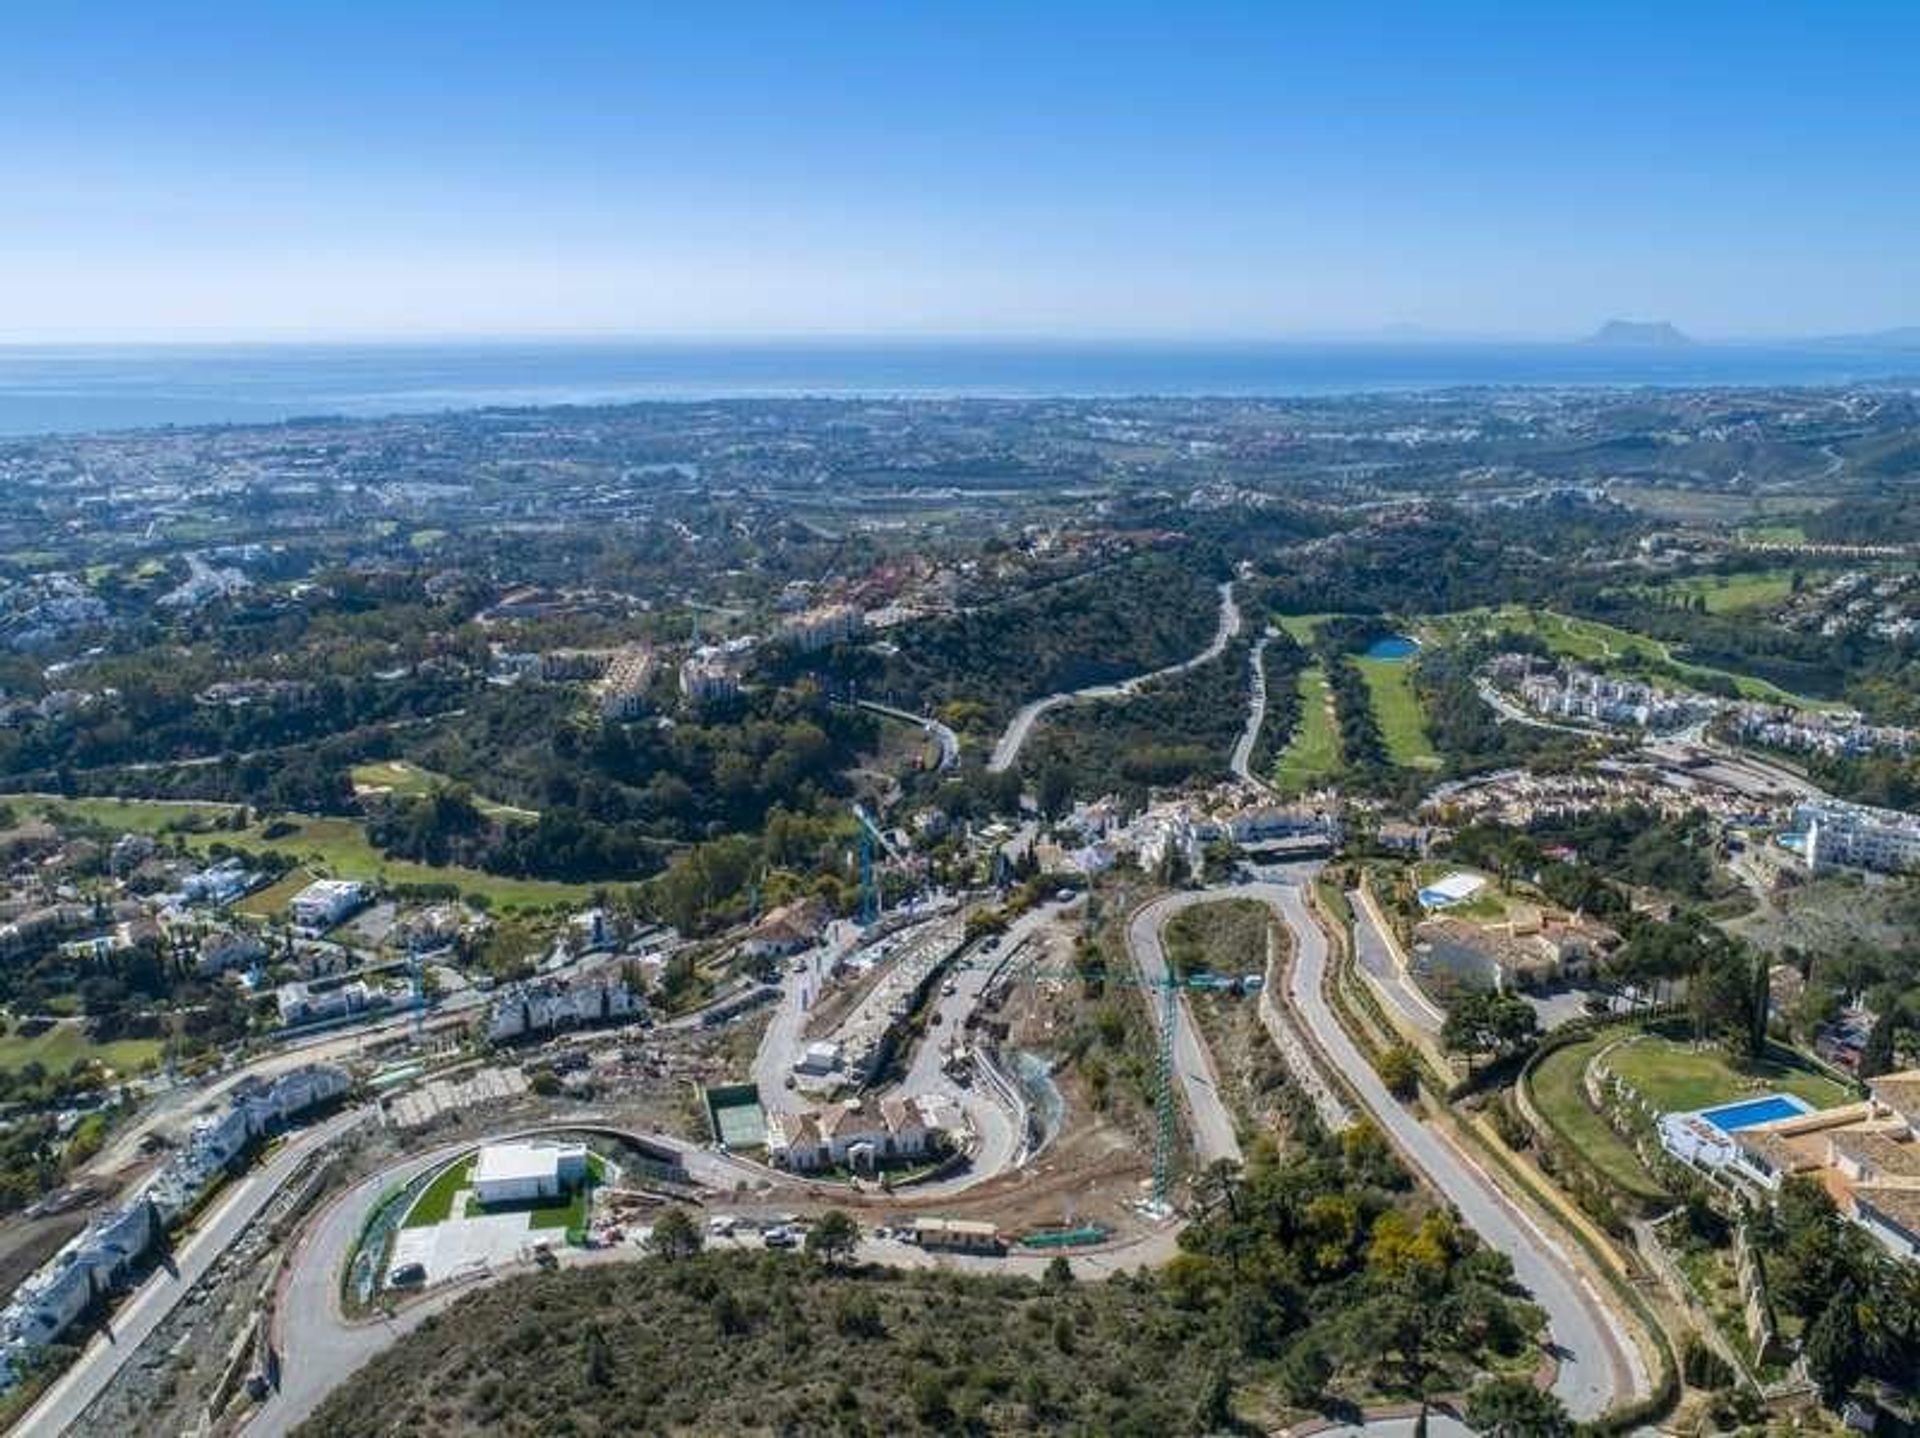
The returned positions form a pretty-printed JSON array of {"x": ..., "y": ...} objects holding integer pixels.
[{"x": 1384, "y": 335}]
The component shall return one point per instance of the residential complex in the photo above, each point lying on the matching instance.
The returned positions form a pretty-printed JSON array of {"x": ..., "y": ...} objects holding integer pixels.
[
  {"x": 1866, "y": 1154},
  {"x": 623, "y": 688},
  {"x": 327, "y": 902},
  {"x": 544, "y": 1006},
  {"x": 107, "y": 1254},
  {"x": 1857, "y": 836},
  {"x": 827, "y": 625}
]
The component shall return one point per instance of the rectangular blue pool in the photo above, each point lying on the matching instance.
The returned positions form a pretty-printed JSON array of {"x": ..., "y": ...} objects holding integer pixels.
[{"x": 1732, "y": 1117}]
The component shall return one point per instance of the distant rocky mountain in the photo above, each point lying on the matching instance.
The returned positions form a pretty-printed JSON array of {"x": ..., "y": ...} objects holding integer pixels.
[{"x": 1642, "y": 333}]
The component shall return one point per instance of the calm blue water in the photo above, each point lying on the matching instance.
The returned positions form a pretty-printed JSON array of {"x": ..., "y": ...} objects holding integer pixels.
[
  {"x": 1730, "y": 1118},
  {"x": 1391, "y": 646},
  {"x": 76, "y": 388}
]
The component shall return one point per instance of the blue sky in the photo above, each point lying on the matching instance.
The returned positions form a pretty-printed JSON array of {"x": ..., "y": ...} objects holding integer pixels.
[{"x": 260, "y": 170}]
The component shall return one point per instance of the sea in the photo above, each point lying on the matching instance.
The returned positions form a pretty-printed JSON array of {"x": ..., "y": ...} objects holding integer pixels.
[{"x": 76, "y": 389}]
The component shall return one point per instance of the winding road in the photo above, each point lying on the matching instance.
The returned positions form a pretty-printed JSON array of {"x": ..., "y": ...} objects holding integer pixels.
[
  {"x": 1015, "y": 736},
  {"x": 1242, "y": 761},
  {"x": 941, "y": 734},
  {"x": 1213, "y": 1127},
  {"x": 1597, "y": 1367}
]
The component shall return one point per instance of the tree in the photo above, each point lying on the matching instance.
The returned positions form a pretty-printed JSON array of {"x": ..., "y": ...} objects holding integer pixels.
[
  {"x": 675, "y": 1235},
  {"x": 1833, "y": 1347},
  {"x": 1514, "y": 1408},
  {"x": 1398, "y": 1071},
  {"x": 1876, "y": 1057},
  {"x": 1216, "y": 1399},
  {"x": 1059, "y": 1274},
  {"x": 834, "y": 1237},
  {"x": 1488, "y": 1021},
  {"x": 1304, "y": 1373},
  {"x": 1053, "y": 792},
  {"x": 599, "y": 1359}
]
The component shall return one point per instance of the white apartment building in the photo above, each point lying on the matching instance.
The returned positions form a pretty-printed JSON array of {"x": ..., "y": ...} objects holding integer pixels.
[
  {"x": 823, "y": 627},
  {"x": 326, "y": 902},
  {"x": 1859, "y": 837},
  {"x": 545, "y": 1005}
]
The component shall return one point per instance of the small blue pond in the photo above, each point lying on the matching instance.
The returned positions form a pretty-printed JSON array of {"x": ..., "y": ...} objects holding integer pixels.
[
  {"x": 1732, "y": 1117},
  {"x": 1392, "y": 646}
]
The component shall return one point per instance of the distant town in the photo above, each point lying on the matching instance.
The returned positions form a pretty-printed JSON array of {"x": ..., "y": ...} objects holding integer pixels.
[{"x": 1200, "y": 886}]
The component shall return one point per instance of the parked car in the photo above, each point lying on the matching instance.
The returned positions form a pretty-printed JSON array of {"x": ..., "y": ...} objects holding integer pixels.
[{"x": 407, "y": 1275}]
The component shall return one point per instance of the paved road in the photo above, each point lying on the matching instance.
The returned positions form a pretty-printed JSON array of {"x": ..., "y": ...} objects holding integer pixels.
[
  {"x": 1213, "y": 1127},
  {"x": 1008, "y": 749},
  {"x": 321, "y": 1349},
  {"x": 136, "y": 1318},
  {"x": 1439, "y": 1425},
  {"x": 996, "y": 1127},
  {"x": 944, "y": 736},
  {"x": 318, "y": 1347},
  {"x": 1242, "y": 761},
  {"x": 1376, "y": 953},
  {"x": 801, "y": 982},
  {"x": 1596, "y": 1368}
]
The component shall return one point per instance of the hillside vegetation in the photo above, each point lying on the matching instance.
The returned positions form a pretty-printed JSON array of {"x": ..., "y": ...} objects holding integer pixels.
[{"x": 1317, "y": 1280}]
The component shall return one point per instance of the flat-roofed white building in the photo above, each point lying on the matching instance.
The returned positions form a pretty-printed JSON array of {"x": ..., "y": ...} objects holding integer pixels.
[
  {"x": 325, "y": 902},
  {"x": 518, "y": 1172},
  {"x": 1858, "y": 836}
]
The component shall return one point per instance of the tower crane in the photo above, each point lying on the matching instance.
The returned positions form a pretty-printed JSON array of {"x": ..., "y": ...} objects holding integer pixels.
[
  {"x": 871, "y": 834},
  {"x": 1166, "y": 989}
]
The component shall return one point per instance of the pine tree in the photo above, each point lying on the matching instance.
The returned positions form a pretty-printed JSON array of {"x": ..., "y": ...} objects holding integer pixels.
[{"x": 1833, "y": 1346}]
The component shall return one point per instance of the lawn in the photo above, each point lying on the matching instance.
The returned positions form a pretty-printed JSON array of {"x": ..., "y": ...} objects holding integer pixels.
[
  {"x": 1312, "y": 755},
  {"x": 1603, "y": 646},
  {"x": 271, "y": 902},
  {"x": 570, "y": 1212},
  {"x": 138, "y": 816},
  {"x": 1396, "y": 708},
  {"x": 1304, "y": 628},
  {"x": 1556, "y": 1087},
  {"x": 340, "y": 847},
  {"x": 410, "y": 781},
  {"x": 63, "y": 1043},
  {"x": 435, "y": 1203},
  {"x": 1675, "y": 1077},
  {"x": 1730, "y": 593}
]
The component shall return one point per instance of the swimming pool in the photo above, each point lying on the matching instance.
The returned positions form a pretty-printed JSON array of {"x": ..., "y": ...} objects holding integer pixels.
[{"x": 1732, "y": 1117}]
